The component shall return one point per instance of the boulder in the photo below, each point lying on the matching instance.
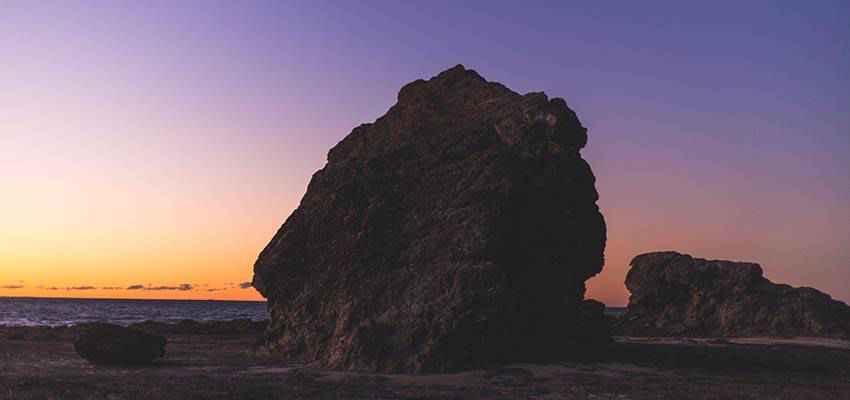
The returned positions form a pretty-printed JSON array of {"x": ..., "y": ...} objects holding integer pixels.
[
  {"x": 597, "y": 326},
  {"x": 192, "y": 327},
  {"x": 101, "y": 343},
  {"x": 675, "y": 294},
  {"x": 456, "y": 230}
]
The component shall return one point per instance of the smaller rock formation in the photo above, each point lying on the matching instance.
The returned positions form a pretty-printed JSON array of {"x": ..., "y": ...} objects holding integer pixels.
[
  {"x": 675, "y": 294},
  {"x": 116, "y": 345}
]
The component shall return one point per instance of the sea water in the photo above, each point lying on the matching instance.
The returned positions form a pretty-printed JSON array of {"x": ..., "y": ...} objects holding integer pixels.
[{"x": 17, "y": 311}]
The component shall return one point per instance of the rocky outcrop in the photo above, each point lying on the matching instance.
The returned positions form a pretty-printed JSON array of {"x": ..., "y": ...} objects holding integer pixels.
[
  {"x": 101, "y": 343},
  {"x": 456, "y": 230},
  {"x": 675, "y": 294}
]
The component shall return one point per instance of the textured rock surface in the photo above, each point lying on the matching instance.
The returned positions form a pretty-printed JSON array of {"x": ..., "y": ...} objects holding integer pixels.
[
  {"x": 675, "y": 294},
  {"x": 456, "y": 230},
  {"x": 112, "y": 344}
]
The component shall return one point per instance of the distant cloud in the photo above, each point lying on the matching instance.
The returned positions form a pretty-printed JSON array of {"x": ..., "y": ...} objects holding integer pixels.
[
  {"x": 81, "y": 288},
  {"x": 12, "y": 287},
  {"x": 182, "y": 287},
  {"x": 84, "y": 287}
]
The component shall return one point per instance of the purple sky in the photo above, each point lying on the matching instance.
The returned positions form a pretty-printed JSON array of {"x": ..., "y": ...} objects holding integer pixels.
[{"x": 190, "y": 131}]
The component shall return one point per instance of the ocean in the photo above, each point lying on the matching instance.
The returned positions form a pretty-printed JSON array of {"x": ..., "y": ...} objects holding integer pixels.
[
  {"x": 615, "y": 311},
  {"x": 18, "y": 311}
]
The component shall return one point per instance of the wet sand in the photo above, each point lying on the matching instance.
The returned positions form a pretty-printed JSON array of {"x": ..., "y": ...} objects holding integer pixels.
[{"x": 38, "y": 363}]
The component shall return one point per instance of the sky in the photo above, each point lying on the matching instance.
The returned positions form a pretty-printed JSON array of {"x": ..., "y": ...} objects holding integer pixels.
[{"x": 151, "y": 149}]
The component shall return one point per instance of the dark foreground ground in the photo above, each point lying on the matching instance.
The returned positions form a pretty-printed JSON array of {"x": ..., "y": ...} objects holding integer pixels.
[{"x": 220, "y": 363}]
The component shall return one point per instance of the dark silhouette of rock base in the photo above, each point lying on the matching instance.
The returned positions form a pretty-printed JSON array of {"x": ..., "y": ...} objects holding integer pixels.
[
  {"x": 675, "y": 294},
  {"x": 455, "y": 231},
  {"x": 116, "y": 345}
]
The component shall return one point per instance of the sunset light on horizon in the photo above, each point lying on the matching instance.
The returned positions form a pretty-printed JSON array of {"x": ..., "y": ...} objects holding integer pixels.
[{"x": 152, "y": 151}]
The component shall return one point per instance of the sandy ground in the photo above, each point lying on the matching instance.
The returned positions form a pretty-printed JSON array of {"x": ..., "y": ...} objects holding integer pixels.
[
  {"x": 767, "y": 341},
  {"x": 224, "y": 366}
]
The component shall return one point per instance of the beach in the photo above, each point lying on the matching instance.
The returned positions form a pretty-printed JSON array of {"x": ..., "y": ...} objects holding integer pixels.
[{"x": 222, "y": 360}]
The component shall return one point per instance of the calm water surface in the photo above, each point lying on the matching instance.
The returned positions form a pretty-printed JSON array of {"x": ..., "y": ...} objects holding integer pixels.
[
  {"x": 615, "y": 311},
  {"x": 32, "y": 311}
]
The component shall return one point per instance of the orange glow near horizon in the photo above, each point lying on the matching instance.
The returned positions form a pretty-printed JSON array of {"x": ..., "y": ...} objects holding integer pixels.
[
  {"x": 50, "y": 246},
  {"x": 198, "y": 294}
]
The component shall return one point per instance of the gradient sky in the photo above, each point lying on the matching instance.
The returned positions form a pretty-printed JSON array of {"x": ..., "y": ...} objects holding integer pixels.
[{"x": 157, "y": 145}]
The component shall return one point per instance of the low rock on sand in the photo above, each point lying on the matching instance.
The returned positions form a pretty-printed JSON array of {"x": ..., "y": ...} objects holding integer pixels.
[{"x": 102, "y": 343}]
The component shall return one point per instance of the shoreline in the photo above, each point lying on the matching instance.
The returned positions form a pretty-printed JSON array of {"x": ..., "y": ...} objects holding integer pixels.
[{"x": 67, "y": 332}]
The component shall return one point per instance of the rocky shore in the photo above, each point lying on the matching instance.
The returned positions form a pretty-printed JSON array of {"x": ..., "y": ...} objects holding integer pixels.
[
  {"x": 221, "y": 360},
  {"x": 442, "y": 252}
]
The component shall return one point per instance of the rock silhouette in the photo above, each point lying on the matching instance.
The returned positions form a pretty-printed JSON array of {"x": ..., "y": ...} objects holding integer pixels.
[
  {"x": 675, "y": 294},
  {"x": 455, "y": 231},
  {"x": 102, "y": 343}
]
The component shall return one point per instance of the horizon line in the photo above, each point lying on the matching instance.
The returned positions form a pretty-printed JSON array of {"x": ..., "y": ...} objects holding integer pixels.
[{"x": 130, "y": 299}]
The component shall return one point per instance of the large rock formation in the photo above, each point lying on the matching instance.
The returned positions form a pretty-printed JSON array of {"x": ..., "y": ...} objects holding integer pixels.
[
  {"x": 456, "y": 230},
  {"x": 675, "y": 294}
]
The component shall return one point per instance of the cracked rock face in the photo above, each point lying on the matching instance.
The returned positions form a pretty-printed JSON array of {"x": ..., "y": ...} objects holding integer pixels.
[
  {"x": 675, "y": 294},
  {"x": 455, "y": 231}
]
